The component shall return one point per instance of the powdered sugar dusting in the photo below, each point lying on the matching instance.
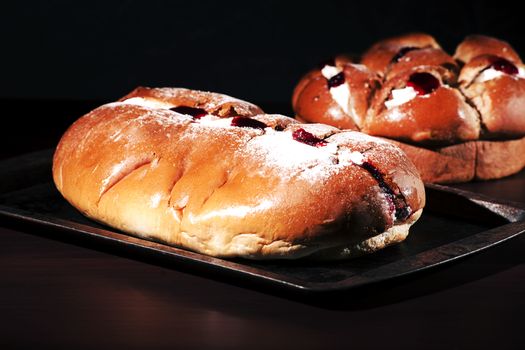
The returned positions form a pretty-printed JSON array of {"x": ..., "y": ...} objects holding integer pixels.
[
  {"x": 320, "y": 130},
  {"x": 148, "y": 102},
  {"x": 355, "y": 136},
  {"x": 214, "y": 121},
  {"x": 164, "y": 117},
  {"x": 346, "y": 157},
  {"x": 351, "y": 143},
  {"x": 269, "y": 150},
  {"x": 160, "y": 113},
  {"x": 279, "y": 151}
]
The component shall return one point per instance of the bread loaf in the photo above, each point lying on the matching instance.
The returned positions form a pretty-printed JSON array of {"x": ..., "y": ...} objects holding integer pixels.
[
  {"x": 445, "y": 112},
  {"x": 213, "y": 174}
]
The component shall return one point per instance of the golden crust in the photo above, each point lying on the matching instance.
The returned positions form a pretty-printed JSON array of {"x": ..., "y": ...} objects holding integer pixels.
[
  {"x": 433, "y": 119},
  {"x": 216, "y": 104},
  {"x": 229, "y": 191},
  {"x": 424, "y": 57},
  {"x": 500, "y": 100},
  {"x": 477, "y": 45},
  {"x": 440, "y": 117},
  {"x": 314, "y": 102},
  {"x": 470, "y": 71},
  {"x": 339, "y": 61},
  {"x": 379, "y": 57}
]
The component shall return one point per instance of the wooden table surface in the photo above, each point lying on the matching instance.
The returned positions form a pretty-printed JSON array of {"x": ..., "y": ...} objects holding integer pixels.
[{"x": 58, "y": 293}]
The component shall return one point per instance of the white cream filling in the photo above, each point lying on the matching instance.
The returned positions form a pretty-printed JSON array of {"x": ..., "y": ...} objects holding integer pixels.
[
  {"x": 330, "y": 71},
  {"x": 341, "y": 95},
  {"x": 148, "y": 103},
  {"x": 401, "y": 96},
  {"x": 491, "y": 73},
  {"x": 488, "y": 74}
]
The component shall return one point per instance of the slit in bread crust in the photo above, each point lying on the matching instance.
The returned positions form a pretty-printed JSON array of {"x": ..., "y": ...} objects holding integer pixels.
[
  {"x": 226, "y": 178},
  {"x": 114, "y": 179},
  {"x": 471, "y": 103}
]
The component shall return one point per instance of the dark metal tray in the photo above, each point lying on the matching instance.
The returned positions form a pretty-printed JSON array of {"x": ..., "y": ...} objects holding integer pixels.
[{"x": 454, "y": 224}]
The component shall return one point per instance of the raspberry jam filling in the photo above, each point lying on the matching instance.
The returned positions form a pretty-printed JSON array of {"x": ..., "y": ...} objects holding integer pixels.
[
  {"x": 399, "y": 55},
  {"x": 196, "y": 113},
  {"x": 336, "y": 80},
  {"x": 395, "y": 198},
  {"x": 504, "y": 66},
  {"x": 423, "y": 83},
  {"x": 304, "y": 136},
  {"x": 245, "y": 122}
]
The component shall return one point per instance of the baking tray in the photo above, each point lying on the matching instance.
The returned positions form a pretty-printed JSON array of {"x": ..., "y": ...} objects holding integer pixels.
[{"x": 455, "y": 223}]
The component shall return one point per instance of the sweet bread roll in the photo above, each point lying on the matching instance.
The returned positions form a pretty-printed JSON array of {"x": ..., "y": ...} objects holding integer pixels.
[
  {"x": 496, "y": 87},
  {"x": 417, "y": 106},
  {"x": 338, "y": 61},
  {"x": 171, "y": 165},
  {"x": 446, "y": 107},
  {"x": 336, "y": 94},
  {"x": 477, "y": 45}
]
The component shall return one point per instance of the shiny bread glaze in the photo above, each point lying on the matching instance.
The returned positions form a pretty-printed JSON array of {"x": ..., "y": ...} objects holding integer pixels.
[{"x": 235, "y": 191}]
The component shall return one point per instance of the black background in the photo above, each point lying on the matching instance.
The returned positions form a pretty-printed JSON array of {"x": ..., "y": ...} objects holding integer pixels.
[
  {"x": 252, "y": 50},
  {"x": 60, "y": 59}
]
